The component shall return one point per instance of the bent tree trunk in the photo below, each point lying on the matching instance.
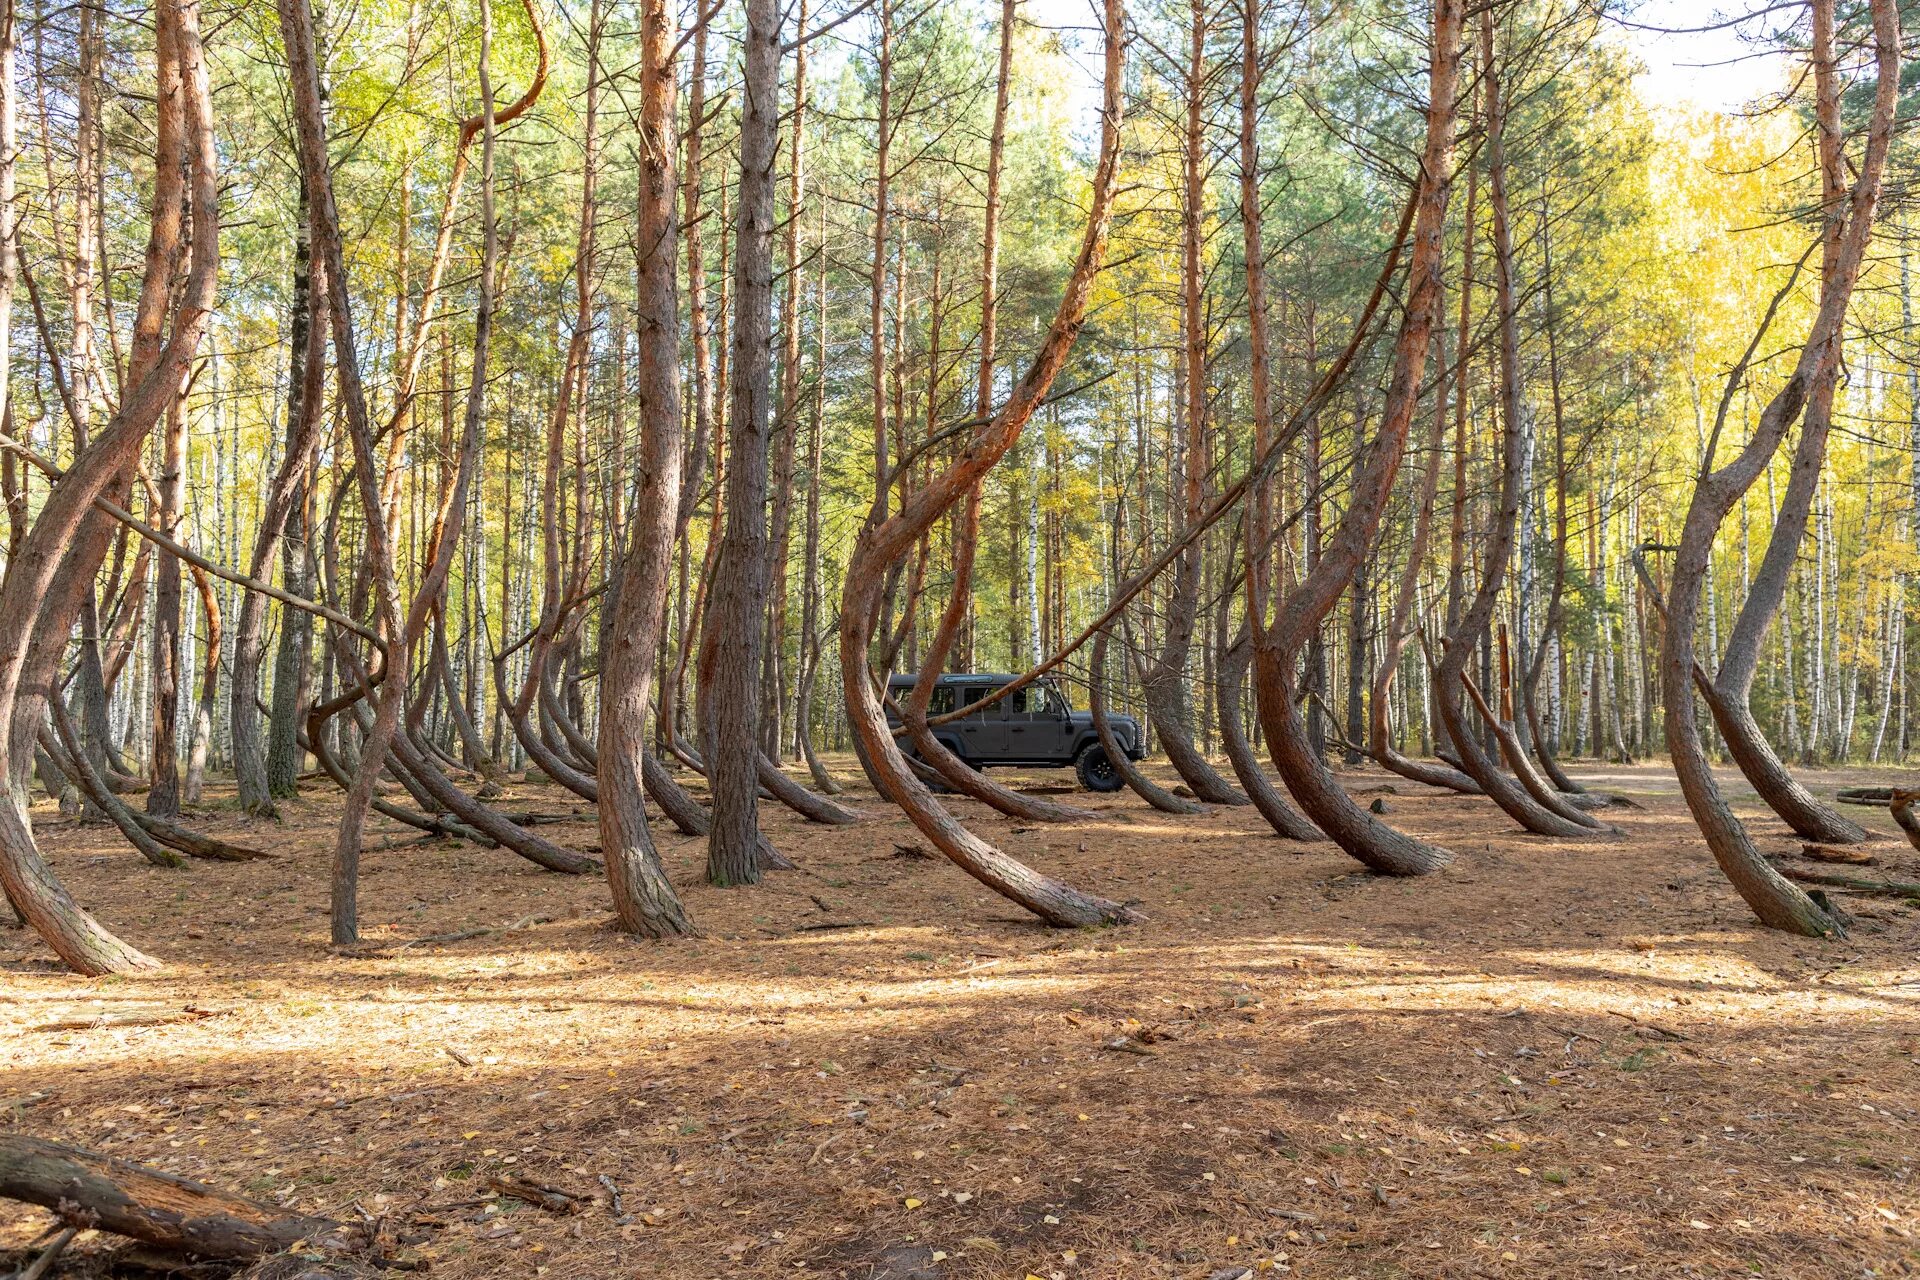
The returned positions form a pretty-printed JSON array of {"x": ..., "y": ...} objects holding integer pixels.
[
  {"x": 1278, "y": 645},
  {"x": 29, "y": 638},
  {"x": 1728, "y": 694},
  {"x": 884, "y": 541},
  {"x": 296, "y": 24},
  {"x": 1403, "y": 624},
  {"x": 1449, "y": 679},
  {"x": 950, "y": 768},
  {"x": 1139, "y": 783},
  {"x": 1231, "y": 665},
  {"x": 1776, "y": 901}
]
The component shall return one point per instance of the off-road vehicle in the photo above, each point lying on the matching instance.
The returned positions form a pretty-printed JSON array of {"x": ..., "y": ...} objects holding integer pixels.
[{"x": 1034, "y": 726}]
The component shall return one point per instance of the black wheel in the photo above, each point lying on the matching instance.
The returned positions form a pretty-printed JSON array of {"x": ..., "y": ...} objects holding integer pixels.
[{"x": 1096, "y": 772}]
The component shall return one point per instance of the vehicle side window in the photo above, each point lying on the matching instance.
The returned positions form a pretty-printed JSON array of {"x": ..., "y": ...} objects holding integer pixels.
[
  {"x": 1035, "y": 700},
  {"x": 972, "y": 693},
  {"x": 942, "y": 700}
]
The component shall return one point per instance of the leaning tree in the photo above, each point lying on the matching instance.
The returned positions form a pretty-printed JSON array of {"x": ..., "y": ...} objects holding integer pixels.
[
  {"x": 885, "y": 539},
  {"x": 1719, "y": 485},
  {"x": 1280, "y": 641},
  {"x": 68, "y": 540}
]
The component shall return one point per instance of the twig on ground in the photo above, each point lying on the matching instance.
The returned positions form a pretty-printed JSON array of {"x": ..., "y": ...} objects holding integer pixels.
[
  {"x": 53, "y": 1251},
  {"x": 552, "y": 1199},
  {"x": 131, "y": 1018}
]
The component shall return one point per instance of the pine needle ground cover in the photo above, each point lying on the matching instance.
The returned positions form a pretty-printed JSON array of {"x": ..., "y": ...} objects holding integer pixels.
[{"x": 1553, "y": 1058}]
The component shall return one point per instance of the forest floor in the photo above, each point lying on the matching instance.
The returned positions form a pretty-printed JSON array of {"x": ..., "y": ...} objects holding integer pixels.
[{"x": 1553, "y": 1058}]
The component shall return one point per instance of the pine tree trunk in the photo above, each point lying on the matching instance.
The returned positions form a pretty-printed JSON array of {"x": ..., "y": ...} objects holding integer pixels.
[
  {"x": 644, "y": 902},
  {"x": 1776, "y": 901},
  {"x": 31, "y": 637},
  {"x": 280, "y": 513},
  {"x": 1279, "y": 644},
  {"x": 733, "y": 633}
]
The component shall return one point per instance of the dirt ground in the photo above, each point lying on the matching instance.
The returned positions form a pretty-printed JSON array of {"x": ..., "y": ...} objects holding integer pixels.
[{"x": 1554, "y": 1058}]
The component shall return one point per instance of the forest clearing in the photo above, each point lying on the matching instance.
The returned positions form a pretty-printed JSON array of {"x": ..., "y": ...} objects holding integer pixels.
[
  {"x": 1567, "y": 1059},
  {"x": 963, "y": 638}
]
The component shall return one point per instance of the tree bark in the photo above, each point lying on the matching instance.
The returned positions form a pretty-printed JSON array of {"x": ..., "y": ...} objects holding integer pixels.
[
  {"x": 644, "y": 902},
  {"x": 86, "y": 1189},
  {"x": 1278, "y": 644},
  {"x": 1169, "y": 699},
  {"x": 306, "y": 367},
  {"x": 733, "y": 633},
  {"x": 163, "y": 764},
  {"x": 1774, "y": 900},
  {"x": 30, "y": 639},
  {"x": 292, "y": 657},
  {"x": 886, "y": 540}
]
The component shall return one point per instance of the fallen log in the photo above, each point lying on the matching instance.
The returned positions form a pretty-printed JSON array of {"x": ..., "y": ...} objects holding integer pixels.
[
  {"x": 1852, "y": 855},
  {"x": 1893, "y": 888},
  {"x": 86, "y": 1189},
  {"x": 196, "y": 844}
]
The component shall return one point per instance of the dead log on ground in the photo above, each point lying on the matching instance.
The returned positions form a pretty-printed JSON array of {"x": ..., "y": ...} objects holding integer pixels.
[
  {"x": 1892, "y": 888},
  {"x": 1852, "y": 855},
  {"x": 86, "y": 1189}
]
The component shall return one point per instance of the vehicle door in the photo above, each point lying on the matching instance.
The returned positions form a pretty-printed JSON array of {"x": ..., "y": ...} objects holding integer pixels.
[
  {"x": 1036, "y": 724},
  {"x": 984, "y": 733}
]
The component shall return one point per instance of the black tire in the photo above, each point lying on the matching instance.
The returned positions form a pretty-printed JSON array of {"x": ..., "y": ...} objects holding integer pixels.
[{"x": 1095, "y": 771}]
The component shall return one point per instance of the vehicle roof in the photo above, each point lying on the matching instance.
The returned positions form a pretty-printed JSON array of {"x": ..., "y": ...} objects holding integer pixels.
[{"x": 965, "y": 677}]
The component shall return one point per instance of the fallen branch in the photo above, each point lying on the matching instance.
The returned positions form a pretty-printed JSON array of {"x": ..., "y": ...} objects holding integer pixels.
[
  {"x": 540, "y": 1196},
  {"x": 42, "y": 1264},
  {"x": 458, "y": 935},
  {"x": 131, "y": 1018}
]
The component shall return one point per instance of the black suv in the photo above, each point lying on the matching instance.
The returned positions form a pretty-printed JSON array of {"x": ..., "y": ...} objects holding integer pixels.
[{"x": 1031, "y": 726}]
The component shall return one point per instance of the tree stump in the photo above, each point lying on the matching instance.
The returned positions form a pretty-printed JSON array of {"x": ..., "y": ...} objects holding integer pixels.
[{"x": 1900, "y": 804}]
